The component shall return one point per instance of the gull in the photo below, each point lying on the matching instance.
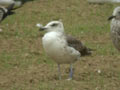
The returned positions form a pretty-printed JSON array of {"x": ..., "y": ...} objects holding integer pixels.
[
  {"x": 115, "y": 27},
  {"x": 4, "y": 11},
  {"x": 9, "y": 2},
  {"x": 62, "y": 48}
]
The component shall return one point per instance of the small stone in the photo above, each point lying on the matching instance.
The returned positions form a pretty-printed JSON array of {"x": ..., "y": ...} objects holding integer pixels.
[
  {"x": 1, "y": 30},
  {"x": 99, "y": 71}
]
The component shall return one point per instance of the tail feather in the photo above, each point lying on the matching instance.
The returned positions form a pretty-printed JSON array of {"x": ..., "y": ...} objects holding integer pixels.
[
  {"x": 10, "y": 7},
  {"x": 86, "y": 51},
  {"x": 89, "y": 49}
]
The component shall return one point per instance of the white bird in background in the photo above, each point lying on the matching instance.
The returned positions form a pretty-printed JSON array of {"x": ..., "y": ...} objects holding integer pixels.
[
  {"x": 9, "y": 2},
  {"x": 62, "y": 48},
  {"x": 115, "y": 27},
  {"x": 4, "y": 11}
]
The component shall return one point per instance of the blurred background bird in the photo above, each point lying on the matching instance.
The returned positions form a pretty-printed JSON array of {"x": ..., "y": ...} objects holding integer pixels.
[
  {"x": 62, "y": 48},
  {"x": 115, "y": 27}
]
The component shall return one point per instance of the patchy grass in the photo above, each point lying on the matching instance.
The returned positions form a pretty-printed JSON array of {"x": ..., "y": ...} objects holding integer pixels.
[{"x": 25, "y": 66}]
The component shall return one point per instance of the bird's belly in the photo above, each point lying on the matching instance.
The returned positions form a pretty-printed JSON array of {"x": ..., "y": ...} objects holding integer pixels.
[{"x": 56, "y": 49}]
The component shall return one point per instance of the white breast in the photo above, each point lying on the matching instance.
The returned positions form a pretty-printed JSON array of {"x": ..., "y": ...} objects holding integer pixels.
[{"x": 56, "y": 47}]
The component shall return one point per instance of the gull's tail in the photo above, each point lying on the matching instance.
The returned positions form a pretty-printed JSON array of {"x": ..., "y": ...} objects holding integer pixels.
[
  {"x": 10, "y": 7},
  {"x": 86, "y": 51}
]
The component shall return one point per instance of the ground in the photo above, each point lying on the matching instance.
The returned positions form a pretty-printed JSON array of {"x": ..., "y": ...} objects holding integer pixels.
[{"x": 24, "y": 64}]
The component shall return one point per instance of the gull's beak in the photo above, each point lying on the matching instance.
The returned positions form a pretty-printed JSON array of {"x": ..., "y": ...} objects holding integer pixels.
[
  {"x": 111, "y": 17},
  {"x": 42, "y": 28}
]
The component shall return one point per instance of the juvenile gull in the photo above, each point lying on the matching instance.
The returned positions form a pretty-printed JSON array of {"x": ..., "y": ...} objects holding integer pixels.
[
  {"x": 115, "y": 27},
  {"x": 62, "y": 48}
]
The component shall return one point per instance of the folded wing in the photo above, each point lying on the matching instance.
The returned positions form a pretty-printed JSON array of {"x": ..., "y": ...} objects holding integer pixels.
[{"x": 78, "y": 45}]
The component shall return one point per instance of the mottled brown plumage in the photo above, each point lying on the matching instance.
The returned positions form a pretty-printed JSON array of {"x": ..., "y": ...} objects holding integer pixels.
[
  {"x": 115, "y": 27},
  {"x": 78, "y": 45}
]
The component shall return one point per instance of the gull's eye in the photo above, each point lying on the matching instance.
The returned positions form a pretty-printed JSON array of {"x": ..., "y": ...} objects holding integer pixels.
[{"x": 54, "y": 24}]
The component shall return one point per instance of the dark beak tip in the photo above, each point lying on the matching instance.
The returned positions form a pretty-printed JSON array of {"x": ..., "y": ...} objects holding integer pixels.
[
  {"x": 108, "y": 19},
  {"x": 111, "y": 17},
  {"x": 42, "y": 29}
]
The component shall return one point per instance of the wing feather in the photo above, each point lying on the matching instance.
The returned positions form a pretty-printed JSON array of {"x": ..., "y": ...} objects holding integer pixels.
[{"x": 78, "y": 45}]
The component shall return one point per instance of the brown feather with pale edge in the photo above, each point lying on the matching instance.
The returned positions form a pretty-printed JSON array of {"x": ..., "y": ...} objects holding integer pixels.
[{"x": 78, "y": 45}]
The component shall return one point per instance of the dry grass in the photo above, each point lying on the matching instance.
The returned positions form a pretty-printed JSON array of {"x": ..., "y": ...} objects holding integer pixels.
[{"x": 24, "y": 65}]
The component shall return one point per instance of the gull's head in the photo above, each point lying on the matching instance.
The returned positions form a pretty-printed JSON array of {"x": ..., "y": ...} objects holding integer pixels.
[
  {"x": 56, "y": 26},
  {"x": 116, "y": 14}
]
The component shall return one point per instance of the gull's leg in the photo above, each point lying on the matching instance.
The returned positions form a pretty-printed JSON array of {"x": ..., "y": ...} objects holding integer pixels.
[
  {"x": 59, "y": 72},
  {"x": 71, "y": 72}
]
